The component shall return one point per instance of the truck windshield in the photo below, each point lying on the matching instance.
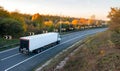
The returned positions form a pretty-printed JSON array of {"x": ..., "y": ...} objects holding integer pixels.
[{"x": 24, "y": 43}]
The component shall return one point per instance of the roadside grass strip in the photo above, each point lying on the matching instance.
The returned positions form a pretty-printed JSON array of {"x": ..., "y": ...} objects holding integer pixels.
[{"x": 59, "y": 58}]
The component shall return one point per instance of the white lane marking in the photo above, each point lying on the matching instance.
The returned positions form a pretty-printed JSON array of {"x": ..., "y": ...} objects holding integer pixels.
[
  {"x": 39, "y": 54},
  {"x": 10, "y": 56},
  {"x": 45, "y": 51},
  {"x": 61, "y": 35},
  {"x": 18, "y": 46},
  {"x": 8, "y": 50},
  {"x": 70, "y": 34}
]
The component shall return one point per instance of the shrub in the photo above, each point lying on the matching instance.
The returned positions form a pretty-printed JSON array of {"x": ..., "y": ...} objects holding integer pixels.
[{"x": 11, "y": 27}]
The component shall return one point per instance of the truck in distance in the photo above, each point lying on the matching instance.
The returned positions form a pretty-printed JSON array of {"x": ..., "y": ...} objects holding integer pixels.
[{"x": 38, "y": 43}]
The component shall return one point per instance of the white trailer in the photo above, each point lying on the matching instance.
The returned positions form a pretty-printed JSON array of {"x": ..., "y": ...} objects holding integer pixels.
[{"x": 38, "y": 43}]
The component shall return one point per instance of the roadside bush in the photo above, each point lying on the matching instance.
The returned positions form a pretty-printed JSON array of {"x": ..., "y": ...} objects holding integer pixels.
[
  {"x": 11, "y": 27},
  {"x": 115, "y": 37},
  {"x": 114, "y": 16}
]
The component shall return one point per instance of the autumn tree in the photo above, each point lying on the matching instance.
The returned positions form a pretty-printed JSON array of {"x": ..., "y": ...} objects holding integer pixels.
[
  {"x": 3, "y": 13},
  {"x": 75, "y": 22},
  {"x": 114, "y": 25},
  {"x": 114, "y": 16},
  {"x": 48, "y": 25},
  {"x": 82, "y": 21},
  {"x": 19, "y": 17},
  {"x": 91, "y": 22},
  {"x": 38, "y": 20}
]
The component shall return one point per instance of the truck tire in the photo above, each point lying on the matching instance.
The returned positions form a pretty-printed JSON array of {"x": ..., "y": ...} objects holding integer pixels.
[
  {"x": 37, "y": 51},
  {"x": 58, "y": 42}
]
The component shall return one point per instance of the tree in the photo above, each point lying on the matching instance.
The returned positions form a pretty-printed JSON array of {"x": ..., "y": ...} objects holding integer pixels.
[
  {"x": 3, "y": 13},
  {"x": 82, "y": 21},
  {"x": 75, "y": 22},
  {"x": 91, "y": 22},
  {"x": 19, "y": 17},
  {"x": 114, "y": 16},
  {"x": 114, "y": 25},
  {"x": 10, "y": 26},
  {"x": 48, "y": 26},
  {"x": 37, "y": 18},
  {"x": 48, "y": 23}
]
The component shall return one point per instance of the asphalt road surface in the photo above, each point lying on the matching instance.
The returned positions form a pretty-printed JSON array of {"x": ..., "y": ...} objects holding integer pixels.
[{"x": 12, "y": 60}]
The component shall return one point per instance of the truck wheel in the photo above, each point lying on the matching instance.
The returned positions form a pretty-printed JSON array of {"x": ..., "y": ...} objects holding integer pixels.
[
  {"x": 58, "y": 42},
  {"x": 38, "y": 51}
]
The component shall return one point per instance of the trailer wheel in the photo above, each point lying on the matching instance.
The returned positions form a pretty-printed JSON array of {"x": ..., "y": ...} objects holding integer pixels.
[
  {"x": 37, "y": 51},
  {"x": 58, "y": 42}
]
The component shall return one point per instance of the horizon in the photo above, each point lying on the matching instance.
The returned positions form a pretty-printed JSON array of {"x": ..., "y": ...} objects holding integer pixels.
[{"x": 71, "y": 8}]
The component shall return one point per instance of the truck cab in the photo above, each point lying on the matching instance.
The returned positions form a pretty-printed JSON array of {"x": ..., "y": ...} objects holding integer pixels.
[{"x": 59, "y": 38}]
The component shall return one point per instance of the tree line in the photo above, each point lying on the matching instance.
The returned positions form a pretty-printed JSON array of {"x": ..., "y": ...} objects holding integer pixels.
[{"x": 17, "y": 24}]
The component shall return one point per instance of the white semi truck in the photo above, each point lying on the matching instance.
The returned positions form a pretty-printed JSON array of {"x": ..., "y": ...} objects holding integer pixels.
[{"x": 38, "y": 43}]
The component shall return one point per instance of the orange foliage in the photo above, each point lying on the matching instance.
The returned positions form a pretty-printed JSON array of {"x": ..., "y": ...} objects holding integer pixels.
[
  {"x": 75, "y": 22},
  {"x": 90, "y": 21},
  {"x": 67, "y": 22},
  {"x": 83, "y": 21},
  {"x": 48, "y": 23},
  {"x": 35, "y": 16}
]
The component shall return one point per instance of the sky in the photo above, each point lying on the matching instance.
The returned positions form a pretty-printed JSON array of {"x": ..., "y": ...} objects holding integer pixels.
[{"x": 72, "y": 8}]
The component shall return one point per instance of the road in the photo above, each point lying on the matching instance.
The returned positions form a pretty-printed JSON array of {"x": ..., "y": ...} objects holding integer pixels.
[{"x": 12, "y": 60}]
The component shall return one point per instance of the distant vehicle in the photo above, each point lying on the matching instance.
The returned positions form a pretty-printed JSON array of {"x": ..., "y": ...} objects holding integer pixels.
[{"x": 38, "y": 43}]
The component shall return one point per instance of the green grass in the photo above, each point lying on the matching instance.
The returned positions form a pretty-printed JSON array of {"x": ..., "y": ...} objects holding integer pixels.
[{"x": 6, "y": 43}]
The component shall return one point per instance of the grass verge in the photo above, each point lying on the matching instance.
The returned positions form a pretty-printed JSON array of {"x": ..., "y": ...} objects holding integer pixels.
[
  {"x": 7, "y": 44},
  {"x": 98, "y": 53},
  {"x": 59, "y": 57}
]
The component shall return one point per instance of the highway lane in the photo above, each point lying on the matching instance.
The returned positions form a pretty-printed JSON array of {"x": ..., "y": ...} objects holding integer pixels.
[
  {"x": 14, "y": 61},
  {"x": 15, "y": 51}
]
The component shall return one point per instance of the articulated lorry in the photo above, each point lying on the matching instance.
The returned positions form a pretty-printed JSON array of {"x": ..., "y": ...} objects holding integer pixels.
[{"x": 38, "y": 43}]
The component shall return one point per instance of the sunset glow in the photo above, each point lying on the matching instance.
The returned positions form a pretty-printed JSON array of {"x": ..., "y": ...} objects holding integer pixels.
[{"x": 73, "y": 8}]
